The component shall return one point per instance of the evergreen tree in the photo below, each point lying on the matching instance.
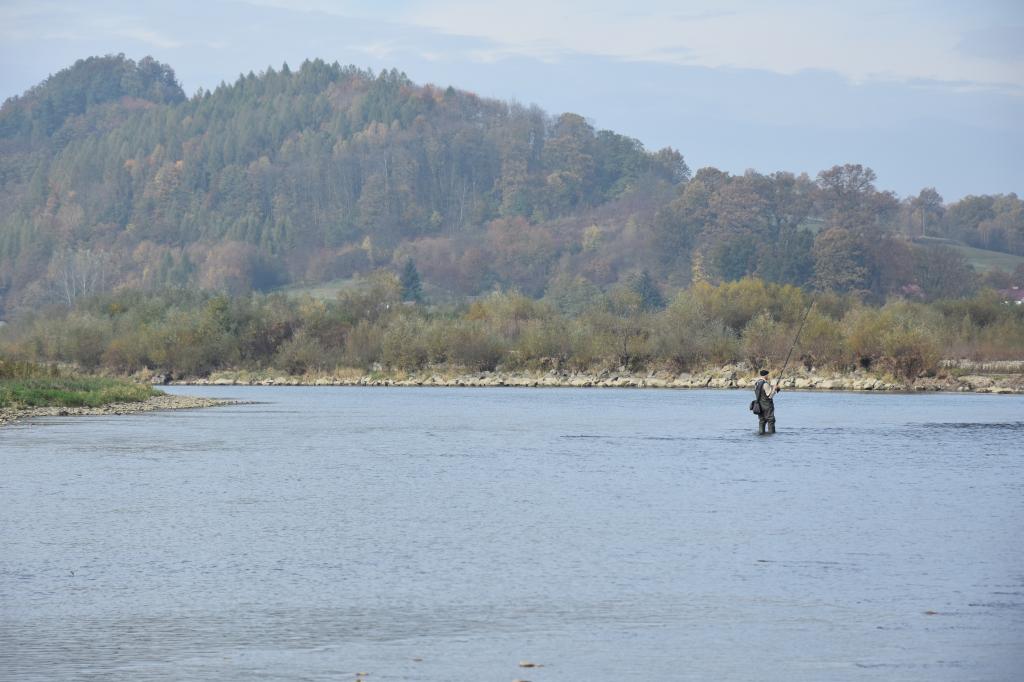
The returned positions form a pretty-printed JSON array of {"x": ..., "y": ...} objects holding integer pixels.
[
  {"x": 412, "y": 288},
  {"x": 645, "y": 287}
]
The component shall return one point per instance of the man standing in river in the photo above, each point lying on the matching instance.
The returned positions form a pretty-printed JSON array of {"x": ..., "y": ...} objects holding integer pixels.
[{"x": 764, "y": 394}]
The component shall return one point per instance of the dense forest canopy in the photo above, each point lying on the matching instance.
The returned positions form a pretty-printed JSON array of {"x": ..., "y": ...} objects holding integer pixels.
[{"x": 111, "y": 178}]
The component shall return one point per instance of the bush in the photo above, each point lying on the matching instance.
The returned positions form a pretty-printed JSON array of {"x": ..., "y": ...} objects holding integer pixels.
[
  {"x": 364, "y": 344},
  {"x": 474, "y": 345},
  {"x": 508, "y": 312},
  {"x": 185, "y": 346},
  {"x": 734, "y": 303},
  {"x": 687, "y": 337},
  {"x": 403, "y": 345},
  {"x": 865, "y": 329},
  {"x": 373, "y": 298},
  {"x": 543, "y": 343},
  {"x": 909, "y": 353},
  {"x": 301, "y": 354},
  {"x": 586, "y": 350},
  {"x": 1003, "y": 340},
  {"x": 623, "y": 340},
  {"x": 126, "y": 353},
  {"x": 84, "y": 340},
  {"x": 764, "y": 341},
  {"x": 192, "y": 334},
  {"x": 822, "y": 343}
]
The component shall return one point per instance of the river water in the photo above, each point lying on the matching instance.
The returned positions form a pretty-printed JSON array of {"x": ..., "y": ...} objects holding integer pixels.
[{"x": 449, "y": 534}]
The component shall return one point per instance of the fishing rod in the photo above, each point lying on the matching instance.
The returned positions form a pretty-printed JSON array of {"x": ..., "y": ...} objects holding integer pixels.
[{"x": 795, "y": 340}]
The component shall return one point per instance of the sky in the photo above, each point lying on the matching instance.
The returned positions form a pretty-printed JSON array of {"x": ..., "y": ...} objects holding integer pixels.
[{"x": 928, "y": 93}]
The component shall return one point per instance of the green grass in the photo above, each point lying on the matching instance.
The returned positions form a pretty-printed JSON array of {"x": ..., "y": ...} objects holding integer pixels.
[
  {"x": 28, "y": 385},
  {"x": 983, "y": 260},
  {"x": 325, "y": 291}
]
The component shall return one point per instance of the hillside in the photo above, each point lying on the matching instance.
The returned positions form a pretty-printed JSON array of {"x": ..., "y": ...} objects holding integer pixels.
[
  {"x": 982, "y": 260},
  {"x": 111, "y": 177}
]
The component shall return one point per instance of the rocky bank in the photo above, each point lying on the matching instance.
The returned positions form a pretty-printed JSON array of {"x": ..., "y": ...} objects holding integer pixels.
[
  {"x": 160, "y": 402},
  {"x": 730, "y": 377}
]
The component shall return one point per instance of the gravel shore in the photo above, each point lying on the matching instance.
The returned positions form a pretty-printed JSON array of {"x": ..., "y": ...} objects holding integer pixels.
[
  {"x": 160, "y": 402},
  {"x": 726, "y": 377}
]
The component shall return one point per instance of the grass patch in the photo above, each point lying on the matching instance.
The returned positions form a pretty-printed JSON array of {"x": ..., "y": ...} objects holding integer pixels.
[
  {"x": 983, "y": 260},
  {"x": 325, "y": 291},
  {"x": 28, "y": 385}
]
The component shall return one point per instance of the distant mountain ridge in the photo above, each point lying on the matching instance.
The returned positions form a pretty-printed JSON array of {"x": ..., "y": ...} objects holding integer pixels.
[{"x": 110, "y": 176}]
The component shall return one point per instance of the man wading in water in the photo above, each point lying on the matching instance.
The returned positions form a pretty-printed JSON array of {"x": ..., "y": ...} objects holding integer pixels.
[{"x": 764, "y": 393}]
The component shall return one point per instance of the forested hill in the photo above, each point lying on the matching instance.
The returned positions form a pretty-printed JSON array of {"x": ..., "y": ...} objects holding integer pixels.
[{"x": 110, "y": 176}]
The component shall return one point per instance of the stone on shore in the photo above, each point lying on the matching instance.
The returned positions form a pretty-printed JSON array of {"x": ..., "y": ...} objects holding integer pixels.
[
  {"x": 726, "y": 377},
  {"x": 160, "y": 402}
]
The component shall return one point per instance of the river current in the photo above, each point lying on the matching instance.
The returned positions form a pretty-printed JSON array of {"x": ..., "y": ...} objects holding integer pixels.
[{"x": 450, "y": 534}]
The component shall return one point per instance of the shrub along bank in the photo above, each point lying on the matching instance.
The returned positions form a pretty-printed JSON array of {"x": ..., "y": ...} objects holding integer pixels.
[
  {"x": 573, "y": 329},
  {"x": 30, "y": 385}
]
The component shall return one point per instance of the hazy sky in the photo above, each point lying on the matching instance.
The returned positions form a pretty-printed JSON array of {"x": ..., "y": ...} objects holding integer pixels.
[{"x": 926, "y": 92}]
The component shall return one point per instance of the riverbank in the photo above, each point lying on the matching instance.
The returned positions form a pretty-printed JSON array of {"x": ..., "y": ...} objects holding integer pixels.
[
  {"x": 158, "y": 402},
  {"x": 728, "y": 377}
]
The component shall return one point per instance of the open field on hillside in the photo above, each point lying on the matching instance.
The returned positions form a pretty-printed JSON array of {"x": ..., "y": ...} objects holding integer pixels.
[
  {"x": 983, "y": 260},
  {"x": 324, "y": 291}
]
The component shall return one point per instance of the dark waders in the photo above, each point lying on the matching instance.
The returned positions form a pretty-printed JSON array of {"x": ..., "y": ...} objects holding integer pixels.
[{"x": 767, "y": 416}]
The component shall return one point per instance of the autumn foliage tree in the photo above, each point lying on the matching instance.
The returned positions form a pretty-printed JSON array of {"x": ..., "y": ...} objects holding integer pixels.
[{"x": 325, "y": 172}]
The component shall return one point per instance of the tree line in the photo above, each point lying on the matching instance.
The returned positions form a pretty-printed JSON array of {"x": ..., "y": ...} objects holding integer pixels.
[
  {"x": 110, "y": 177},
  {"x": 633, "y": 325}
]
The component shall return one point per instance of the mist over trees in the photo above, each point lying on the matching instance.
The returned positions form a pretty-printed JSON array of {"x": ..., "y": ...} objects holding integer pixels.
[{"x": 111, "y": 178}]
